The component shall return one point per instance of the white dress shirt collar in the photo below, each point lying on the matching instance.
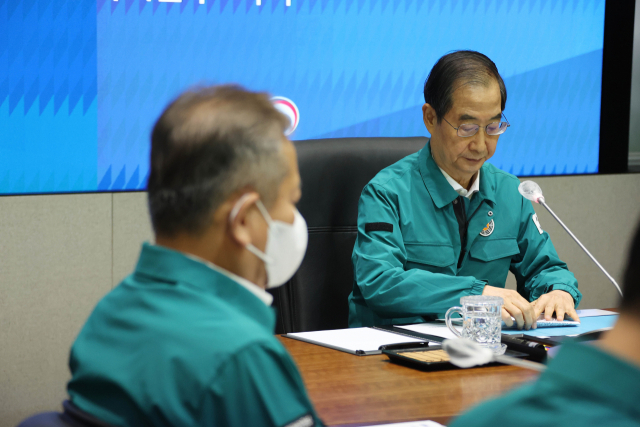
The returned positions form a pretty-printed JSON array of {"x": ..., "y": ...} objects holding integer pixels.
[
  {"x": 475, "y": 187},
  {"x": 263, "y": 295}
]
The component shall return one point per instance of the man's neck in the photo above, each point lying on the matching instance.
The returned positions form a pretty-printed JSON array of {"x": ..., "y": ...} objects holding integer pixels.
[
  {"x": 464, "y": 181},
  {"x": 624, "y": 339},
  {"x": 218, "y": 251}
]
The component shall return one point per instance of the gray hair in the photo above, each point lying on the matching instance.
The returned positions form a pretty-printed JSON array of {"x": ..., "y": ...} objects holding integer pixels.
[{"x": 207, "y": 145}]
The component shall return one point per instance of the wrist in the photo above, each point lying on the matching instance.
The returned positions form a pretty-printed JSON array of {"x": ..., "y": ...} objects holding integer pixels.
[
  {"x": 570, "y": 289},
  {"x": 479, "y": 287}
]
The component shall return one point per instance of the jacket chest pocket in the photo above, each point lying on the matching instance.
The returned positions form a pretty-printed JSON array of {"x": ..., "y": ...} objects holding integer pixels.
[
  {"x": 434, "y": 257},
  {"x": 490, "y": 260},
  {"x": 491, "y": 250}
]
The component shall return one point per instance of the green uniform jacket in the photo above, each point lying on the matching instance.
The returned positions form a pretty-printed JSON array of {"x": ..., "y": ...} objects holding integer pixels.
[
  {"x": 583, "y": 386},
  {"x": 405, "y": 259},
  {"x": 179, "y": 344}
]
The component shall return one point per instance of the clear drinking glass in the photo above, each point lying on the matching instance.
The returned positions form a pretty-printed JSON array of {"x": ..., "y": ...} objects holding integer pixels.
[{"x": 481, "y": 321}]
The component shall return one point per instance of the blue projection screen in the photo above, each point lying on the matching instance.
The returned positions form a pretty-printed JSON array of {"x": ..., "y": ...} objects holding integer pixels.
[{"x": 82, "y": 82}]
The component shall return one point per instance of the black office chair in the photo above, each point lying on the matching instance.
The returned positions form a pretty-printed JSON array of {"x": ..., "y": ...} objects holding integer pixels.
[
  {"x": 334, "y": 172},
  {"x": 72, "y": 416}
]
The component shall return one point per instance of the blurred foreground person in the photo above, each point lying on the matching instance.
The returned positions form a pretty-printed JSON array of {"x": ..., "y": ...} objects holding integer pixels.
[
  {"x": 585, "y": 384},
  {"x": 187, "y": 339}
]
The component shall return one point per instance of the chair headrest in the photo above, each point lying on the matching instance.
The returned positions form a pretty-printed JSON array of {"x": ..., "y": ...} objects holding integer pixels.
[{"x": 334, "y": 172}]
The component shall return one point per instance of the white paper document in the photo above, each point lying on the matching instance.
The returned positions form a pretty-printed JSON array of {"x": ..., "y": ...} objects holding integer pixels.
[
  {"x": 436, "y": 329},
  {"x": 411, "y": 424},
  {"x": 593, "y": 312},
  {"x": 353, "y": 340}
]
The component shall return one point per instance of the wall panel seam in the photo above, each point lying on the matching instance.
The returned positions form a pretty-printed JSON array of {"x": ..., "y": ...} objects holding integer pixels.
[{"x": 112, "y": 240}]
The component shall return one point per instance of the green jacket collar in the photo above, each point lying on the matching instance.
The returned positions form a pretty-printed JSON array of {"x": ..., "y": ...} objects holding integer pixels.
[
  {"x": 487, "y": 185},
  {"x": 161, "y": 264},
  {"x": 591, "y": 369},
  {"x": 439, "y": 188}
]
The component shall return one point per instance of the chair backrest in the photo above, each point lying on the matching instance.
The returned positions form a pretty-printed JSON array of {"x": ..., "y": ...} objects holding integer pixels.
[
  {"x": 45, "y": 419},
  {"x": 333, "y": 172},
  {"x": 71, "y": 417}
]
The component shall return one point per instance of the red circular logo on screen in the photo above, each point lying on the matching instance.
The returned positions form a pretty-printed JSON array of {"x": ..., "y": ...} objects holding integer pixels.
[{"x": 289, "y": 109}]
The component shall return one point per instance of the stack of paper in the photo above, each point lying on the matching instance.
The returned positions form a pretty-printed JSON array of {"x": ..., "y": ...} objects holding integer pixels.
[{"x": 354, "y": 340}]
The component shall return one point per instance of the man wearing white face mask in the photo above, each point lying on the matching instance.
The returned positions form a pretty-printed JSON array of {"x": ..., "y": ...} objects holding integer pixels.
[
  {"x": 187, "y": 339},
  {"x": 286, "y": 244}
]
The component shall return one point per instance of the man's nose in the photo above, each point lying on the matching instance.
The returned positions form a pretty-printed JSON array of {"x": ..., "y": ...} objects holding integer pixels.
[{"x": 479, "y": 141}]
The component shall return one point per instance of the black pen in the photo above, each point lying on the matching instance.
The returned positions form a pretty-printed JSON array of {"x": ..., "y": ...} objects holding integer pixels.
[
  {"x": 534, "y": 350},
  {"x": 404, "y": 345}
]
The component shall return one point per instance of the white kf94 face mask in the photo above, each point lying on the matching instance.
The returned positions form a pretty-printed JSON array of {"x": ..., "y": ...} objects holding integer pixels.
[{"x": 286, "y": 245}]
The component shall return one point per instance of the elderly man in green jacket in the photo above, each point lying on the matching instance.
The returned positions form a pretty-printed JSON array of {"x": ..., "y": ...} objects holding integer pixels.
[
  {"x": 442, "y": 224},
  {"x": 187, "y": 338}
]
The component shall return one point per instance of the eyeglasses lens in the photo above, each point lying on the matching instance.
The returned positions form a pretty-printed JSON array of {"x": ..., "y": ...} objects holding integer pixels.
[
  {"x": 497, "y": 128},
  {"x": 468, "y": 130}
]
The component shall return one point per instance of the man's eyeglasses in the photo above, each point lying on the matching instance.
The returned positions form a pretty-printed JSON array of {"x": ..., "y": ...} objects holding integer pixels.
[{"x": 467, "y": 130}]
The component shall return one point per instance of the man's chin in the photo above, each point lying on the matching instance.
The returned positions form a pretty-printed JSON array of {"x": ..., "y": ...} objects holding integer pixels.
[{"x": 472, "y": 166}]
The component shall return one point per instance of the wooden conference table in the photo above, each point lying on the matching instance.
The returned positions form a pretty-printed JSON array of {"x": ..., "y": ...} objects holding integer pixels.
[{"x": 349, "y": 390}]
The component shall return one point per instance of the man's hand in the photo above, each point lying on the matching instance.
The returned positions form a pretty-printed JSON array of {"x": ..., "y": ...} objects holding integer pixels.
[
  {"x": 560, "y": 302},
  {"x": 514, "y": 306}
]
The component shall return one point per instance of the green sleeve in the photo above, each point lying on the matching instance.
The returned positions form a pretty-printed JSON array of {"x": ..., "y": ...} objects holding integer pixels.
[
  {"x": 258, "y": 386},
  {"x": 538, "y": 266},
  {"x": 379, "y": 260}
]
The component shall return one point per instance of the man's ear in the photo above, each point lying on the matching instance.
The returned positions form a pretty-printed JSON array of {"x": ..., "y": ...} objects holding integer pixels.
[
  {"x": 429, "y": 117},
  {"x": 238, "y": 226}
]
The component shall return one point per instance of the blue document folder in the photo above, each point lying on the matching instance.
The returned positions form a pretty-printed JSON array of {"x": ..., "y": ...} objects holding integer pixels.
[{"x": 587, "y": 324}]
